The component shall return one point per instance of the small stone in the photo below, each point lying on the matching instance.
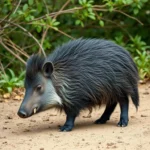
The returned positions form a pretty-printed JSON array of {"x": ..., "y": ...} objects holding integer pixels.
[
  {"x": 110, "y": 144},
  {"x": 3, "y": 137},
  {"x": 6, "y": 122},
  {"x": 46, "y": 119},
  {"x": 33, "y": 120},
  {"x": 9, "y": 117},
  {"x": 133, "y": 117},
  {"x": 143, "y": 115},
  {"x": 146, "y": 93},
  {"x": 26, "y": 130},
  {"x": 53, "y": 115}
]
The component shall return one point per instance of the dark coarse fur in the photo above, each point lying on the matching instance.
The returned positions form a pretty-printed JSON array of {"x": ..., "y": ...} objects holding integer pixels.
[
  {"x": 90, "y": 72},
  {"x": 93, "y": 72},
  {"x": 34, "y": 65}
]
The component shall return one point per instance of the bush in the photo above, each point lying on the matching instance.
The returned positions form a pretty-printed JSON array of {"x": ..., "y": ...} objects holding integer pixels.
[{"x": 34, "y": 26}]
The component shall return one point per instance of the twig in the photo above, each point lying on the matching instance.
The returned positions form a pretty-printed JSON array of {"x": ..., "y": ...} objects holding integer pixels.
[
  {"x": 129, "y": 16},
  {"x": 29, "y": 46},
  {"x": 16, "y": 47},
  {"x": 29, "y": 34},
  {"x": 101, "y": 18},
  {"x": 12, "y": 60},
  {"x": 46, "y": 6},
  {"x": 45, "y": 32},
  {"x": 95, "y": 7},
  {"x": 116, "y": 24},
  {"x": 2, "y": 68},
  {"x": 63, "y": 33},
  {"x": 17, "y": 7},
  {"x": 43, "y": 37},
  {"x": 72, "y": 10},
  {"x": 62, "y": 8},
  {"x": 12, "y": 12},
  {"x": 56, "y": 30},
  {"x": 7, "y": 48}
]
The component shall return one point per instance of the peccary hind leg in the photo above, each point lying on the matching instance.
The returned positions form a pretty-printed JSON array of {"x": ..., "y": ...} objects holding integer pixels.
[
  {"x": 124, "y": 106},
  {"x": 107, "y": 113}
]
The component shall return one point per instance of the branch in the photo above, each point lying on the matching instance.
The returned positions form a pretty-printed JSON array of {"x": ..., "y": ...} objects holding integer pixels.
[
  {"x": 43, "y": 37},
  {"x": 7, "y": 48},
  {"x": 94, "y": 7},
  {"x": 2, "y": 68},
  {"x": 67, "y": 2},
  {"x": 46, "y": 6},
  {"x": 45, "y": 32},
  {"x": 56, "y": 30},
  {"x": 98, "y": 8},
  {"x": 30, "y": 35},
  {"x": 72, "y": 10},
  {"x": 17, "y": 7},
  {"x": 129, "y": 16},
  {"x": 16, "y": 47},
  {"x": 63, "y": 33}
]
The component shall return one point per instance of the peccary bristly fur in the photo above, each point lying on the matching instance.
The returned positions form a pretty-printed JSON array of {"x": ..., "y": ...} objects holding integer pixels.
[{"x": 80, "y": 74}]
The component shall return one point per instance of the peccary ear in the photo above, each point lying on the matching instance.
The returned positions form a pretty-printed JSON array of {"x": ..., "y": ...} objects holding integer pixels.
[{"x": 47, "y": 69}]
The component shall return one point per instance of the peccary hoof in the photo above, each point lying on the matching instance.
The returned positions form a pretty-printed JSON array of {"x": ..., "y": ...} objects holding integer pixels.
[
  {"x": 66, "y": 128},
  {"x": 123, "y": 122},
  {"x": 101, "y": 121}
]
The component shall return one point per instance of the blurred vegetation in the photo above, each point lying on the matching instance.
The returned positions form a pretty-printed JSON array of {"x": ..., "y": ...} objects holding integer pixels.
[{"x": 38, "y": 26}]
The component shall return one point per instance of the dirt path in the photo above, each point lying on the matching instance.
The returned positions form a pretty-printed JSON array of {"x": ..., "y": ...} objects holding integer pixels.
[{"x": 40, "y": 132}]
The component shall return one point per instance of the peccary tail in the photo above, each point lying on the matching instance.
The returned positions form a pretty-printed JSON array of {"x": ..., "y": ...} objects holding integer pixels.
[{"x": 135, "y": 97}]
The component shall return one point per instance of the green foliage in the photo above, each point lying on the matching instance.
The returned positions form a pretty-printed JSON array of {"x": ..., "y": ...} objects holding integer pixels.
[
  {"x": 10, "y": 80},
  {"x": 85, "y": 13},
  {"x": 26, "y": 25},
  {"x": 138, "y": 48}
]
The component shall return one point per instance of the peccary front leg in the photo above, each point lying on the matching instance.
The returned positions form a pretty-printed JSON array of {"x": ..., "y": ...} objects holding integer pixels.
[
  {"x": 124, "y": 106},
  {"x": 69, "y": 124},
  {"x": 107, "y": 113},
  {"x": 70, "y": 118}
]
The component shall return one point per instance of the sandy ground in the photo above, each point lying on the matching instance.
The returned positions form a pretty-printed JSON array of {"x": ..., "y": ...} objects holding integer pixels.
[{"x": 40, "y": 132}]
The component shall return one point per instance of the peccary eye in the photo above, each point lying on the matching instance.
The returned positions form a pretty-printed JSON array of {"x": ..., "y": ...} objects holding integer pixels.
[{"x": 38, "y": 88}]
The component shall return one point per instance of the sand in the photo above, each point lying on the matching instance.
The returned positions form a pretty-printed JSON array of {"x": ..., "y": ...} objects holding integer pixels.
[{"x": 41, "y": 131}]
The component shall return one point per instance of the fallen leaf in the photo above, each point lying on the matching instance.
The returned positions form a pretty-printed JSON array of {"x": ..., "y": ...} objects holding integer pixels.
[{"x": 6, "y": 95}]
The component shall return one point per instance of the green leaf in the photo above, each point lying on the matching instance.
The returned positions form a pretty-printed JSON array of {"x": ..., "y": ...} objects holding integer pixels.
[
  {"x": 12, "y": 73},
  {"x": 30, "y": 2},
  {"x": 38, "y": 29},
  {"x": 9, "y": 89},
  {"x": 92, "y": 16},
  {"x": 136, "y": 11},
  {"x": 25, "y": 7},
  {"x": 56, "y": 23},
  {"x": 27, "y": 18},
  {"x": 39, "y": 7},
  {"x": 55, "y": 28},
  {"x": 77, "y": 22},
  {"x": 101, "y": 23}
]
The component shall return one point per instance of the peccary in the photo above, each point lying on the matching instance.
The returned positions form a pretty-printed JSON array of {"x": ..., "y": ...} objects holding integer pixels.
[{"x": 80, "y": 74}]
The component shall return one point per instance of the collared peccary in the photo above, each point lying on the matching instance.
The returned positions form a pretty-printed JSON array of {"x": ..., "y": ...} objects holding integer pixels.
[{"x": 81, "y": 74}]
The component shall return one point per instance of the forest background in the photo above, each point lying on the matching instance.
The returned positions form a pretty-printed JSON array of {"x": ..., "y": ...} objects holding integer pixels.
[{"x": 39, "y": 26}]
